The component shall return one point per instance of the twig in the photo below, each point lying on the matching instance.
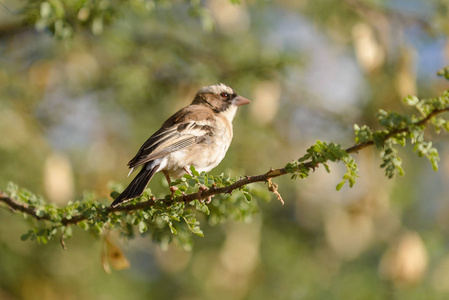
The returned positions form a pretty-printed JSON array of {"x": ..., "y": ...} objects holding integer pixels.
[
  {"x": 273, "y": 187},
  {"x": 61, "y": 240},
  {"x": 15, "y": 205}
]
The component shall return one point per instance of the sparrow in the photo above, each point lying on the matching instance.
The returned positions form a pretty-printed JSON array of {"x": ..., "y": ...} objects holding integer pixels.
[{"x": 197, "y": 135}]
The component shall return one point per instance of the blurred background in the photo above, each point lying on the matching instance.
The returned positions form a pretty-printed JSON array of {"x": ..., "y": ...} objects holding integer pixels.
[{"x": 76, "y": 107}]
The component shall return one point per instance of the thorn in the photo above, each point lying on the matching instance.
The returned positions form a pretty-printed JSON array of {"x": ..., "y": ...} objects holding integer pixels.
[
  {"x": 273, "y": 187},
  {"x": 61, "y": 240}
]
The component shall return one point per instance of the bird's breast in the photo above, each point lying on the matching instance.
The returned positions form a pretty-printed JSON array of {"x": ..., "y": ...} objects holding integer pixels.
[{"x": 203, "y": 156}]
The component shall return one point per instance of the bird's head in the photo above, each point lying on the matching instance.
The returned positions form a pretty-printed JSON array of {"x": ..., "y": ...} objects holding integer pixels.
[{"x": 219, "y": 97}]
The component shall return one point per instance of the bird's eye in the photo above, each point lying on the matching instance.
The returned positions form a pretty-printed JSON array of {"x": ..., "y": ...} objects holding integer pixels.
[{"x": 225, "y": 95}]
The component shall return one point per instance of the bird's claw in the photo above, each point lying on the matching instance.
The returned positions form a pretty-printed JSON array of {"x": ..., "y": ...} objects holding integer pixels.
[
  {"x": 208, "y": 200},
  {"x": 202, "y": 189},
  {"x": 173, "y": 190}
]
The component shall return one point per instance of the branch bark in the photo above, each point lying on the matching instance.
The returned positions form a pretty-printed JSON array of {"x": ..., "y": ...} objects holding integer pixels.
[
  {"x": 202, "y": 194},
  {"x": 17, "y": 206}
]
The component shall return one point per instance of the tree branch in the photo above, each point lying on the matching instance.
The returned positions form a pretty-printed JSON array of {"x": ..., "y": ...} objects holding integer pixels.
[
  {"x": 422, "y": 122},
  {"x": 202, "y": 194},
  {"x": 17, "y": 206}
]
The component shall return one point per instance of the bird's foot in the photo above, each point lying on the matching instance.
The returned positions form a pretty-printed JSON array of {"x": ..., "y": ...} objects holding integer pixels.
[
  {"x": 187, "y": 171},
  {"x": 173, "y": 190},
  {"x": 206, "y": 199}
]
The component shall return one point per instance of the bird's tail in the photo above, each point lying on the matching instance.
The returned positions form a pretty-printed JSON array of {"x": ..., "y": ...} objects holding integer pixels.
[{"x": 137, "y": 185}]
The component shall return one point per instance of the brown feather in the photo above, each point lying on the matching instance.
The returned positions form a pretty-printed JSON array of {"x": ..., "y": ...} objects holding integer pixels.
[{"x": 180, "y": 131}]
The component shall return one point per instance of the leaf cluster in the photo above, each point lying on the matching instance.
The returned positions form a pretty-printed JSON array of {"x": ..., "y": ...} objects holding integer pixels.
[
  {"x": 400, "y": 128},
  {"x": 321, "y": 154},
  {"x": 396, "y": 130},
  {"x": 167, "y": 220},
  {"x": 63, "y": 18}
]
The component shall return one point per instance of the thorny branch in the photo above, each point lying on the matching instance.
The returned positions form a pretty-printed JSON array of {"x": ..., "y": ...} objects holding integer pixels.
[{"x": 205, "y": 193}]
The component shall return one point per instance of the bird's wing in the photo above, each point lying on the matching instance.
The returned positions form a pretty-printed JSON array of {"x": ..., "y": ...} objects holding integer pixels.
[{"x": 189, "y": 126}]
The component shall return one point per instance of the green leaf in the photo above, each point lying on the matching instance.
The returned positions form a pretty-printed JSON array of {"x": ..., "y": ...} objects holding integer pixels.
[
  {"x": 444, "y": 72},
  {"x": 25, "y": 236},
  {"x": 193, "y": 171},
  {"x": 411, "y": 100},
  {"x": 201, "y": 206},
  {"x": 83, "y": 225},
  {"x": 172, "y": 228},
  {"x": 40, "y": 213},
  {"x": 248, "y": 197},
  {"x": 143, "y": 227},
  {"x": 197, "y": 230},
  {"x": 340, "y": 185},
  {"x": 42, "y": 239}
]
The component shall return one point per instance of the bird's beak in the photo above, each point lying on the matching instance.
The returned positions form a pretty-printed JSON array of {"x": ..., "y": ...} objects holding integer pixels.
[{"x": 239, "y": 101}]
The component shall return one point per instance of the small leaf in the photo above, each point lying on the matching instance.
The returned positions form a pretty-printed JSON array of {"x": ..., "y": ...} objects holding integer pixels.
[
  {"x": 193, "y": 171},
  {"x": 340, "y": 185},
  {"x": 83, "y": 225},
  {"x": 40, "y": 213},
  {"x": 143, "y": 227},
  {"x": 25, "y": 236},
  {"x": 378, "y": 139},
  {"x": 248, "y": 197},
  {"x": 196, "y": 230},
  {"x": 444, "y": 72},
  {"x": 42, "y": 239},
  {"x": 172, "y": 229},
  {"x": 411, "y": 100}
]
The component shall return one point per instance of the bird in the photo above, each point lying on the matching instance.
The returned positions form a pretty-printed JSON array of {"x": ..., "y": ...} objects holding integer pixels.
[{"x": 197, "y": 135}]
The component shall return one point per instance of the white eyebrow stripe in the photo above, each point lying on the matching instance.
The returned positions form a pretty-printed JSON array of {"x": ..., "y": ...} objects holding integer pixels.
[{"x": 216, "y": 89}]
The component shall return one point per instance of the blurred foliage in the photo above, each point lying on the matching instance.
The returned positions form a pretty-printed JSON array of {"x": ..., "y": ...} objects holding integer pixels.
[
  {"x": 84, "y": 83},
  {"x": 63, "y": 18}
]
